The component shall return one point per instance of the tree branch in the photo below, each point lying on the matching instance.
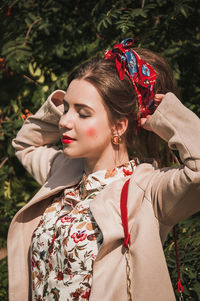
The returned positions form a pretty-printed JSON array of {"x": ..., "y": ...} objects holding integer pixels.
[
  {"x": 3, "y": 162},
  {"x": 29, "y": 29},
  {"x": 142, "y": 4},
  {"x": 30, "y": 79}
]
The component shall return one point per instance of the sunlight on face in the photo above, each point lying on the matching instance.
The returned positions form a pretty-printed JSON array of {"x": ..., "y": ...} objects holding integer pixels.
[{"x": 84, "y": 126}]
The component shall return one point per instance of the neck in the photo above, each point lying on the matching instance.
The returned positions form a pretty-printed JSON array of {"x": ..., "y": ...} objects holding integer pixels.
[{"x": 115, "y": 158}]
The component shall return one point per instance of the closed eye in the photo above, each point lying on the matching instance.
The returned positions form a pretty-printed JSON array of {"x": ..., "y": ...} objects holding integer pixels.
[
  {"x": 83, "y": 113},
  {"x": 83, "y": 110}
]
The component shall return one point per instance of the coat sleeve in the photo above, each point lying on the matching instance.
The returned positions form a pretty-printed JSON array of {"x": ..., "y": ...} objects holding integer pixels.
[
  {"x": 35, "y": 142},
  {"x": 175, "y": 192}
]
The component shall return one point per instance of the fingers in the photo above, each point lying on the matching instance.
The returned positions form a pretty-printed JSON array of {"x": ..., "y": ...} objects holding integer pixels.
[
  {"x": 145, "y": 124},
  {"x": 158, "y": 98},
  {"x": 144, "y": 121}
]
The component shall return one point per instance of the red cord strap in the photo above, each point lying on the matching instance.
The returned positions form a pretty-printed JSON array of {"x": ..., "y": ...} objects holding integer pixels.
[
  {"x": 124, "y": 215},
  {"x": 180, "y": 287},
  {"x": 127, "y": 241}
]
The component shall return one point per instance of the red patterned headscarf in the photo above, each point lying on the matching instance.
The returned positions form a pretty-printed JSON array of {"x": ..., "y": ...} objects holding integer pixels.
[{"x": 141, "y": 74}]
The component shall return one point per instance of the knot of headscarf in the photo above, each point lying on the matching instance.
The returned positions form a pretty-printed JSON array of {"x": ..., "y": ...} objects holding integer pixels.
[{"x": 141, "y": 74}]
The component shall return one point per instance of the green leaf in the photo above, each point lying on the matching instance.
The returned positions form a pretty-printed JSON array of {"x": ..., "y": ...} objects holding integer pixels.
[{"x": 7, "y": 190}]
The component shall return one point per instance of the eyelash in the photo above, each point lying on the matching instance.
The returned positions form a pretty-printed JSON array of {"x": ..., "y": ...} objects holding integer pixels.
[{"x": 81, "y": 115}]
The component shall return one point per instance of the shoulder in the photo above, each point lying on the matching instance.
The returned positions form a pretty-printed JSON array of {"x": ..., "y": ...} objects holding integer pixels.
[{"x": 143, "y": 174}]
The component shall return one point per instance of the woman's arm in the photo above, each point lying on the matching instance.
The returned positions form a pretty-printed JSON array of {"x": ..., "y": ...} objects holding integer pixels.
[
  {"x": 176, "y": 191},
  {"x": 35, "y": 142}
]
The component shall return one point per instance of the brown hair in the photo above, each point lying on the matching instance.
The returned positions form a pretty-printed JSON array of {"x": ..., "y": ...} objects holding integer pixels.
[{"x": 120, "y": 98}]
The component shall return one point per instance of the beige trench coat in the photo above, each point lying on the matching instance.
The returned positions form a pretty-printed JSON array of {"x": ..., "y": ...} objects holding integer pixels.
[{"x": 157, "y": 199}]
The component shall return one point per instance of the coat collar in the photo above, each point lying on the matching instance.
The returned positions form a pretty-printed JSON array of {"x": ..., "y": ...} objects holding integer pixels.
[{"x": 56, "y": 183}]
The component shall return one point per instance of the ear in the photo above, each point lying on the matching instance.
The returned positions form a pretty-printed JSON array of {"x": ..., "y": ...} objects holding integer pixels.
[{"x": 120, "y": 126}]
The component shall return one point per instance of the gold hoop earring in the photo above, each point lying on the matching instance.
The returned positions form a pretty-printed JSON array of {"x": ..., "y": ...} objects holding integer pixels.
[{"x": 116, "y": 139}]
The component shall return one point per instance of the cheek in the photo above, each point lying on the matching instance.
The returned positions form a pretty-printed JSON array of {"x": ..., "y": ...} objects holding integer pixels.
[{"x": 91, "y": 132}]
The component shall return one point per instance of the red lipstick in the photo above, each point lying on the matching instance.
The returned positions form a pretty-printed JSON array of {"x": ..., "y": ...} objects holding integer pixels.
[{"x": 66, "y": 139}]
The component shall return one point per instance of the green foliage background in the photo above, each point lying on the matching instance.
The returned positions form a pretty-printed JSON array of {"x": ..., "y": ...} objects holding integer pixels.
[{"x": 42, "y": 41}]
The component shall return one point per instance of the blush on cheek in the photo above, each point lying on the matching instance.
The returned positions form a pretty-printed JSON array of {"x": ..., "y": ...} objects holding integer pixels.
[{"x": 91, "y": 132}]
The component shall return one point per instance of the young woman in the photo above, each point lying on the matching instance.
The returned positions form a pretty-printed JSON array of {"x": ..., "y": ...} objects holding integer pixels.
[{"x": 68, "y": 242}]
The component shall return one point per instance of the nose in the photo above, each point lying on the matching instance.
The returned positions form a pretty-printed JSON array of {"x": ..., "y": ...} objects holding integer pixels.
[{"x": 66, "y": 122}]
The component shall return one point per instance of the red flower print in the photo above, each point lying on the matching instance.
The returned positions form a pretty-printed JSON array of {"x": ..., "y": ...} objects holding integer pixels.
[
  {"x": 127, "y": 172},
  {"x": 79, "y": 236},
  {"x": 53, "y": 238},
  {"x": 67, "y": 219},
  {"x": 40, "y": 223},
  {"x": 39, "y": 298},
  {"x": 70, "y": 193},
  {"x": 68, "y": 271},
  {"x": 52, "y": 244},
  {"x": 86, "y": 294},
  {"x": 76, "y": 294},
  {"x": 33, "y": 262},
  {"x": 59, "y": 276}
]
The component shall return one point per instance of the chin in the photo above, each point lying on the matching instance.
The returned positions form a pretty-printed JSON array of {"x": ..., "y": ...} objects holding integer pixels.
[{"x": 71, "y": 155}]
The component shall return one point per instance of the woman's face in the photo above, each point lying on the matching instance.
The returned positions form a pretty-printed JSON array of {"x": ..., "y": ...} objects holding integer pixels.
[{"x": 84, "y": 126}]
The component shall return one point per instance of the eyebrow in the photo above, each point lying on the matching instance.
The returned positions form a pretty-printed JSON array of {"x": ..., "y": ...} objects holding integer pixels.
[{"x": 79, "y": 105}]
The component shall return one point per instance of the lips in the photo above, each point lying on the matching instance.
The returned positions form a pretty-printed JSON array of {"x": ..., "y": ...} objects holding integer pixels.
[{"x": 67, "y": 140}]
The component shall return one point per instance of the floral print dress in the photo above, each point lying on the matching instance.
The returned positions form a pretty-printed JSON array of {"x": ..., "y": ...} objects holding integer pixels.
[{"x": 67, "y": 239}]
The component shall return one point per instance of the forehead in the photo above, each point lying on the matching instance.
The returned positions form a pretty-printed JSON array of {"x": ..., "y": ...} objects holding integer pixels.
[{"x": 82, "y": 92}]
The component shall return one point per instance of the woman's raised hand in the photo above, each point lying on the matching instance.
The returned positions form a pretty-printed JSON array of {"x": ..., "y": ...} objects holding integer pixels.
[{"x": 144, "y": 121}]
